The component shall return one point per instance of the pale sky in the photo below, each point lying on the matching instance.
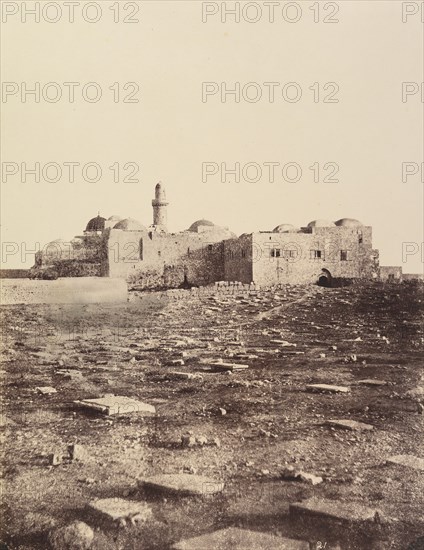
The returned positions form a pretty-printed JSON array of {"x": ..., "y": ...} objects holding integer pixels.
[{"x": 170, "y": 132}]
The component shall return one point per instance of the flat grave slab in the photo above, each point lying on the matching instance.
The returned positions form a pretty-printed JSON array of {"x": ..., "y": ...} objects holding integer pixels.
[
  {"x": 182, "y": 484},
  {"x": 115, "y": 509},
  {"x": 407, "y": 460},
  {"x": 327, "y": 388},
  {"x": 283, "y": 343},
  {"x": 240, "y": 539},
  {"x": 334, "y": 509},
  {"x": 350, "y": 425},
  {"x": 372, "y": 382},
  {"x": 46, "y": 390},
  {"x": 116, "y": 404},
  {"x": 184, "y": 376},
  {"x": 227, "y": 366}
]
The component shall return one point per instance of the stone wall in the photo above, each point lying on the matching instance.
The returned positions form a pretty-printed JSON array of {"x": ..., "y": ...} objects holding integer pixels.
[
  {"x": 339, "y": 252},
  {"x": 155, "y": 260},
  {"x": 238, "y": 259}
]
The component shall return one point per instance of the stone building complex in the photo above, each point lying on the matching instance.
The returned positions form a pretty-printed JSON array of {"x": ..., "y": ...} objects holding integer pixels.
[{"x": 152, "y": 257}]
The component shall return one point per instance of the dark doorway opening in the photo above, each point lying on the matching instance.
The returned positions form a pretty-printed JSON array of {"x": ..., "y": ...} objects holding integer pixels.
[{"x": 324, "y": 278}]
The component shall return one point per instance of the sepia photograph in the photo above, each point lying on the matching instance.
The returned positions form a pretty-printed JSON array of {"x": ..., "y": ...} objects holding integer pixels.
[{"x": 212, "y": 275}]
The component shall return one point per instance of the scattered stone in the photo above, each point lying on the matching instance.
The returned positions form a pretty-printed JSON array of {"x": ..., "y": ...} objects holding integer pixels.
[
  {"x": 407, "y": 460},
  {"x": 184, "y": 376},
  {"x": 327, "y": 388},
  {"x": 416, "y": 393},
  {"x": 190, "y": 469},
  {"x": 116, "y": 404},
  {"x": 221, "y": 366},
  {"x": 176, "y": 362},
  {"x": 291, "y": 474},
  {"x": 77, "y": 452},
  {"x": 233, "y": 538},
  {"x": 188, "y": 440},
  {"x": 350, "y": 425},
  {"x": 216, "y": 441},
  {"x": 75, "y": 536},
  {"x": 120, "y": 510},
  {"x": 46, "y": 390},
  {"x": 322, "y": 356},
  {"x": 222, "y": 411},
  {"x": 55, "y": 459},
  {"x": 202, "y": 440},
  {"x": 183, "y": 484},
  {"x": 335, "y": 509},
  {"x": 283, "y": 343},
  {"x": 372, "y": 382},
  {"x": 351, "y": 358}
]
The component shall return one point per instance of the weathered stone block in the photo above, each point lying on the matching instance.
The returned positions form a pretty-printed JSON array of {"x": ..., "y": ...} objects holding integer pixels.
[
  {"x": 120, "y": 510},
  {"x": 334, "y": 509},
  {"x": 327, "y": 388},
  {"x": 350, "y": 425},
  {"x": 407, "y": 460},
  {"x": 116, "y": 404},
  {"x": 183, "y": 484}
]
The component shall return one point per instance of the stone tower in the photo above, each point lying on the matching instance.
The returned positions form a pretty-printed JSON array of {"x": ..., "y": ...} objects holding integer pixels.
[{"x": 159, "y": 204}]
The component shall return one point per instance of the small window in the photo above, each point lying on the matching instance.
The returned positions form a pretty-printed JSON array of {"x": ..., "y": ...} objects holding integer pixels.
[
  {"x": 141, "y": 249},
  {"x": 277, "y": 253},
  {"x": 188, "y": 251},
  {"x": 243, "y": 253},
  {"x": 343, "y": 255},
  {"x": 159, "y": 252},
  {"x": 316, "y": 254},
  {"x": 272, "y": 252},
  {"x": 360, "y": 237},
  {"x": 289, "y": 253},
  {"x": 210, "y": 247}
]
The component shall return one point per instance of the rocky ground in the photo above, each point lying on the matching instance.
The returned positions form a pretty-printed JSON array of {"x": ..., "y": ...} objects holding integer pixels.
[{"x": 253, "y": 429}]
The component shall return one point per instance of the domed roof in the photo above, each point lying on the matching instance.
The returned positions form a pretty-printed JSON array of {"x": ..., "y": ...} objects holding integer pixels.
[
  {"x": 285, "y": 228},
  {"x": 321, "y": 223},
  {"x": 348, "y": 222},
  {"x": 96, "y": 224},
  {"x": 195, "y": 226},
  {"x": 114, "y": 219},
  {"x": 129, "y": 224}
]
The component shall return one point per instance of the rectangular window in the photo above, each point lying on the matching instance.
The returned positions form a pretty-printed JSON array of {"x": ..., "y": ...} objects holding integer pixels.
[
  {"x": 360, "y": 237},
  {"x": 188, "y": 251},
  {"x": 343, "y": 255},
  {"x": 141, "y": 249},
  {"x": 275, "y": 253},
  {"x": 210, "y": 247},
  {"x": 159, "y": 252},
  {"x": 243, "y": 253},
  {"x": 316, "y": 254}
]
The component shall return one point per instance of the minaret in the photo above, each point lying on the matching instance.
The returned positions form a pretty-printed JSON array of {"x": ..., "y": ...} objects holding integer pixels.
[{"x": 159, "y": 208}]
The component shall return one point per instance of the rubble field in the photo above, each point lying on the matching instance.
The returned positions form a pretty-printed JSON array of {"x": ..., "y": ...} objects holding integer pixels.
[{"x": 291, "y": 415}]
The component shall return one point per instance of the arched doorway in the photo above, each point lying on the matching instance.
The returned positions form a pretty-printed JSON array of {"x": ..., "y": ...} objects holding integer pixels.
[{"x": 324, "y": 278}]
